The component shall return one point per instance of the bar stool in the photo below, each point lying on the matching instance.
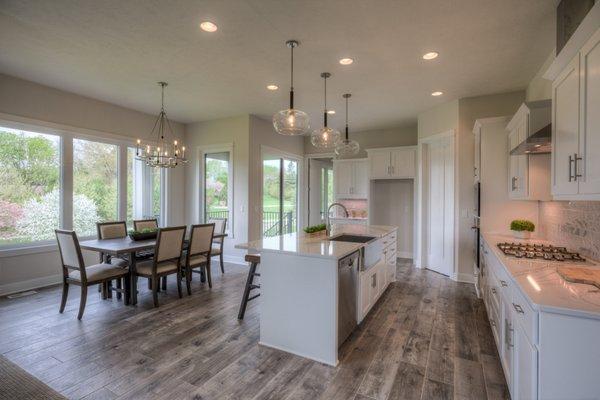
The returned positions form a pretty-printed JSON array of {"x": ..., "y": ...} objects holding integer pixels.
[{"x": 254, "y": 260}]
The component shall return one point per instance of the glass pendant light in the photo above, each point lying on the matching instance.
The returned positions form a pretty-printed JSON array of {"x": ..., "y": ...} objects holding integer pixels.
[
  {"x": 347, "y": 147},
  {"x": 325, "y": 137},
  {"x": 291, "y": 122}
]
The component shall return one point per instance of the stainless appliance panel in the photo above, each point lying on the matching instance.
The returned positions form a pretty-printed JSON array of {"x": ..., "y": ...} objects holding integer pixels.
[{"x": 347, "y": 295}]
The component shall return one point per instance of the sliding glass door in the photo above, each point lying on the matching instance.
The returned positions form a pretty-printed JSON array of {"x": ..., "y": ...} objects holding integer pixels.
[{"x": 280, "y": 195}]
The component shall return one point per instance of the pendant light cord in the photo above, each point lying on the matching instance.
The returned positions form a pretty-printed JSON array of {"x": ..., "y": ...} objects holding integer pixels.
[
  {"x": 292, "y": 80},
  {"x": 346, "y": 118},
  {"x": 325, "y": 110}
]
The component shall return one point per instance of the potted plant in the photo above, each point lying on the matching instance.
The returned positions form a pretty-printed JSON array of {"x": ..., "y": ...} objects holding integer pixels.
[
  {"x": 315, "y": 229},
  {"x": 522, "y": 228}
]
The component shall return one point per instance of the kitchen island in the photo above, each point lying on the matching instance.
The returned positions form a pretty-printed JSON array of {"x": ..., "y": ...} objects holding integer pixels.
[{"x": 315, "y": 288}]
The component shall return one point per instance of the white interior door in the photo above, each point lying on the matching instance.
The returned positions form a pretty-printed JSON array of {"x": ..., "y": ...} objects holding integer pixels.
[{"x": 440, "y": 240}]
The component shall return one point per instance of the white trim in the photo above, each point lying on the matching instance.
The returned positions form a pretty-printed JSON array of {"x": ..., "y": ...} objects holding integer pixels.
[
  {"x": 30, "y": 284},
  {"x": 463, "y": 277},
  {"x": 306, "y": 185},
  {"x": 584, "y": 31},
  {"x": 404, "y": 254},
  {"x": 388, "y": 149},
  {"x": 17, "y": 250},
  {"x": 264, "y": 149},
  {"x": 201, "y": 151}
]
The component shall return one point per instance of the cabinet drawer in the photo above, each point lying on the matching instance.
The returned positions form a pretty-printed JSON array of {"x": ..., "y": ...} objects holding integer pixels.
[{"x": 525, "y": 315}]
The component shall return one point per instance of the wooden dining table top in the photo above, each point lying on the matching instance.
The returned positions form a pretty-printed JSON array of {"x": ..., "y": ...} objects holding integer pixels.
[{"x": 124, "y": 245}]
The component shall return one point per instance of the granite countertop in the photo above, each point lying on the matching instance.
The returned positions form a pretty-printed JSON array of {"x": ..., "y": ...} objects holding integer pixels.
[
  {"x": 543, "y": 286},
  {"x": 317, "y": 245}
]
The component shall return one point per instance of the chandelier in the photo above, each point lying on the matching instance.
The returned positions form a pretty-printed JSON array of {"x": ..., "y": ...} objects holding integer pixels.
[
  {"x": 325, "y": 137},
  {"x": 347, "y": 147},
  {"x": 291, "y": 121},
  {"x": 161, "y": 153}
]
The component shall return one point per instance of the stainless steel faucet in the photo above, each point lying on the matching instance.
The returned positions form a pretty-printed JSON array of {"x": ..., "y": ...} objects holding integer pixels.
[{"x": 328, "y": 224}]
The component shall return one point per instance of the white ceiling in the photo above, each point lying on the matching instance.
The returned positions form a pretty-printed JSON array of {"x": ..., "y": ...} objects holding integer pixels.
[{"x": 115, "y": 50}]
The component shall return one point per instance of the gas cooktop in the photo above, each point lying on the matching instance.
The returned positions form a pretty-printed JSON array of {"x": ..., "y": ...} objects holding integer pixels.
[{"x": 539, "y": 251}]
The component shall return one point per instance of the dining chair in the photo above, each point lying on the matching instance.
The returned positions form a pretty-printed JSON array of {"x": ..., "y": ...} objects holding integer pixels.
[
  {"x": 75, "y": 272},
  {"x": 217, "y": 249},
  {"x": 166, "y": 260},
  {"x": 198, "y": 253},
  {"x": 138, "y": 225},
  {"x": 112, "y": 230}
]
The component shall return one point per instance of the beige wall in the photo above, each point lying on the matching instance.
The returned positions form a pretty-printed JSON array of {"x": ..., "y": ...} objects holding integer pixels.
[
  {"x": 234, "y": 130},
  {"x": 34, "y": 102},
  {"x": 540, "y": 88},
  {"x": 437, "y": 120},
  {"x": 263, "y": 134},
  {"x": 403, "y": 136}
]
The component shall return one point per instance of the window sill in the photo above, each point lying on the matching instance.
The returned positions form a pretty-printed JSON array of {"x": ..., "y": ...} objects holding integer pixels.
[{"x": 28, "y": 249}]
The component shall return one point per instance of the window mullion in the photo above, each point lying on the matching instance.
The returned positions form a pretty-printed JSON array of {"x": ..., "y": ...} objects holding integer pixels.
[
  {"x": 122, "y": 183},
  {"x": 66, "y": 182}
]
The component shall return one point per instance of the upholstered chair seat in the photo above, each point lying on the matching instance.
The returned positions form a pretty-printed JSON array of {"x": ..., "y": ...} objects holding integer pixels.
[
  {"x": 145, "y": 268},
  {"x": 198, "y": 253},
  {"x": 215, "y": 251},
  {"x": 97, "y": 273},
  {"x": 197, "y": 260}
]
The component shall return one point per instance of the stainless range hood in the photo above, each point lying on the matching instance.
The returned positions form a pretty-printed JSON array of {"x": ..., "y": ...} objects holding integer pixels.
[{"x": 538, "y": 143}]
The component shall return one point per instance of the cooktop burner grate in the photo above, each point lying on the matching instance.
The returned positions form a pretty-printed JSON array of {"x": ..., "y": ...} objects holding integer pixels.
[{"x": 539, "y": 251}]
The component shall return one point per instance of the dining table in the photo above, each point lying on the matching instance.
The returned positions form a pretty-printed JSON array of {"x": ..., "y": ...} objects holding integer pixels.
[{"x": 127, "y": 246}]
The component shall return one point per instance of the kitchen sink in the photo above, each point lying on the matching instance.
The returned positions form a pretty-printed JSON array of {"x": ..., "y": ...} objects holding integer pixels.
[{"x": 352, "y": 238}]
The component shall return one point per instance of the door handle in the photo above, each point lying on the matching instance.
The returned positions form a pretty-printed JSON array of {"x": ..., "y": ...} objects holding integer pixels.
[
  {"x": 503, "y": 284},
  {"x": 513, "y": 183}
]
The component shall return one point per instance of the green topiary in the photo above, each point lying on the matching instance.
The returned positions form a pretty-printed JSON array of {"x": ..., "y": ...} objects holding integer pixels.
[
  {"x": 315, "y": 228},
  {"x": 522, "y": 225}
]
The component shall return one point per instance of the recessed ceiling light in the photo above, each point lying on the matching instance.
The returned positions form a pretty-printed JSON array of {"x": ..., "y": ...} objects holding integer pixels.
[
  {"x": 272, "y": 87},
  {"x": 208, "y": 26},
  {"x": 346, "y": 61},
  {"x": 437, "y": 93},
  {"x": 430, "y": 56},
  {"x": 330, "y": 111}
]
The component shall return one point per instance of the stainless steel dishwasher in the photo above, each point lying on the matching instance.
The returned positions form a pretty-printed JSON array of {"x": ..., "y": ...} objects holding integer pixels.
[{"x": 347, "y": 295}]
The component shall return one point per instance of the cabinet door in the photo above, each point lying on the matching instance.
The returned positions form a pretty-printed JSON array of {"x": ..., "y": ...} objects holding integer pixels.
[
  {"x": 565, "y": 129},
  {"x": 403, "y": 163},
  {"x": 374, "y": 280},
  {"x": 525, "y": 366},
  {"x": 342, "y": 179},
  {"x": 360, "y": 179},
  {"x": 589, "y": 138},
  {"x": 506, "y": 350},
  {"x": 365, "y": 295},
  {"x": 379, "y": 162},
  {"x": 513, "y": 165}
]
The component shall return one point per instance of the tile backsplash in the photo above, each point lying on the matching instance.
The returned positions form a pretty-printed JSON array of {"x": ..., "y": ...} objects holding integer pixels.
[{"x": 574, "y": 224}]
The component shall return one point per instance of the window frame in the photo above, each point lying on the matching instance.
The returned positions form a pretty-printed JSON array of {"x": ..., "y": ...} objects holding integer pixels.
[
  {"x": 66, "y": 135},
  {"x": 201, "y": 179}
]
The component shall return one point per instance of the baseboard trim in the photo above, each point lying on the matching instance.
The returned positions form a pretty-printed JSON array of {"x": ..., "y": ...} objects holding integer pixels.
[
  {"x": 36, "y": 283},
  {"x": 464, "y": 277},
  {"x": 404, "y": 254},
  {"x": 298, "y": 353}
]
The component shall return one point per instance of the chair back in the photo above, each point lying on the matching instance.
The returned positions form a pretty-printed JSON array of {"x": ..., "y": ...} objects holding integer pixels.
[
  {"x": 220, "y": 227},
  {"x": 70, "y": 252},
  {"x": 201, "y": 239},
  {"x": 111, "y": 230},
  {"x": 169, "y": 244},
  {"x": 140, "y": 224}
]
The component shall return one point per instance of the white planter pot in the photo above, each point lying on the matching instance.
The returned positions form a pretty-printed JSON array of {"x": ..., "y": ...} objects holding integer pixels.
[{"x": 522, "y": 234}]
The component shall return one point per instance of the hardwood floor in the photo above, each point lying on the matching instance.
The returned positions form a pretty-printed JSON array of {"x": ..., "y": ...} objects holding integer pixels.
[{"x": 427, "y": 338}]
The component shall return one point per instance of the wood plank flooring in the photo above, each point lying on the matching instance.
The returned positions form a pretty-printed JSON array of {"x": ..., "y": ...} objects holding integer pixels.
[{"x": 427, "y": 338}]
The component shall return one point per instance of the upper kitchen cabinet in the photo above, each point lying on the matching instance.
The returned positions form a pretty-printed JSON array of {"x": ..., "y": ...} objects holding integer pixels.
[
  {"x": 528, "y": 152},
  {"x": 392, "y": 163},
  {"x": 576, "y": 126},
  {"x": 351, "y": 178}
]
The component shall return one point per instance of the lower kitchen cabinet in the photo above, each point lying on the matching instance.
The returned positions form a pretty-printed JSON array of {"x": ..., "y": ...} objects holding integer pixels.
[{"x": 524, "y": 365}]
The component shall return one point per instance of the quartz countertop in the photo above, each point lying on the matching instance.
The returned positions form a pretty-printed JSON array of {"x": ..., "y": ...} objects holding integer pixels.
[
  {"x": 543, "y": 286},
  {"x": 317, "y": 245}
]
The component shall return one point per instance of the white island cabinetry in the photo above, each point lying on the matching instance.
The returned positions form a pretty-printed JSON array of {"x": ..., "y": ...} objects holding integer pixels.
[{"x": 303, "y": 299}]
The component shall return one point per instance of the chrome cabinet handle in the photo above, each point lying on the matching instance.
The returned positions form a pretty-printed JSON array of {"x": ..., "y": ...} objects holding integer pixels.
[
  {"x": 514, "y": 183},
  {"x": 518, "y": 308},
  {"x": 571, "y": 162},
  {"x": 503, "y": 284},
  {"x": 492, "y": 323},
  {"x": 575, "y": 174},
  {"x": 494, "y": 290}
]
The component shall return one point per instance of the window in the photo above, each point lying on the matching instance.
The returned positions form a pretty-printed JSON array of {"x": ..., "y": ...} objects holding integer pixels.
[
  {"x": 280, "y": 195},
  {"x": 143, "y": 189},
  {"x": 217, "y": 188},
  {"x": 95, "y": 185},
  {"x": 30, "y": 190}
]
